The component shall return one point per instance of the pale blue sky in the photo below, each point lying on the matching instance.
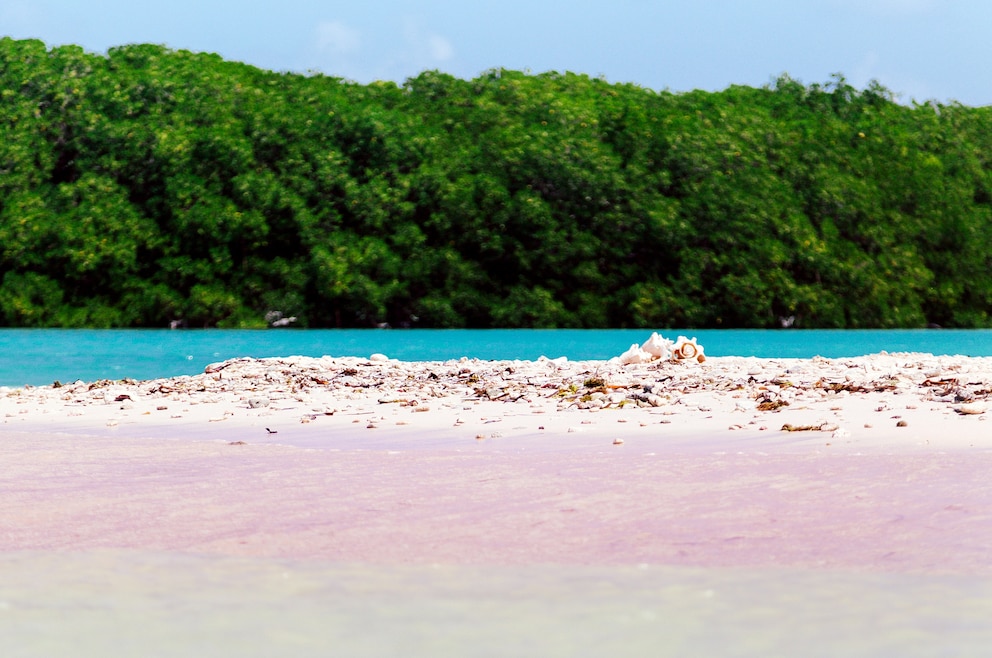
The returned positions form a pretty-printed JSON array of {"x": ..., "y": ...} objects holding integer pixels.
[{"x": 920, "y": 49}]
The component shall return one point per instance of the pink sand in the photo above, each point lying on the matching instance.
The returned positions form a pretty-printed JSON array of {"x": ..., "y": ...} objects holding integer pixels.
[{"x": 910, "y": 511}]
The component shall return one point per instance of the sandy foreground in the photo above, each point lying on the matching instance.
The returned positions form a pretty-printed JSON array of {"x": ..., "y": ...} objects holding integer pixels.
[
  {"x": 877, "y": 463},
  {"x": 369, "y": 507}
]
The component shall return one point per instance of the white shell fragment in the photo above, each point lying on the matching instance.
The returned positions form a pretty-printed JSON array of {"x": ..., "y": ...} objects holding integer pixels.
[
  {"x": 657, "y": 348},
  {"x": 635, "y": 355},
  {"x": 970, "y": 409}
]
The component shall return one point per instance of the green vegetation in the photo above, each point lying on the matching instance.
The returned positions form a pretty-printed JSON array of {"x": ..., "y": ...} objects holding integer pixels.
[{"x": 149, "y": 185}]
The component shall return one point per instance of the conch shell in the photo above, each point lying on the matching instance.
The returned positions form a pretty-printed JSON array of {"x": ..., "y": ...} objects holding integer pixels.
[
  {"x": 688, "y": 349},
  {"x": 635, "y": 355},
  {"x": 658, "y": 347}
]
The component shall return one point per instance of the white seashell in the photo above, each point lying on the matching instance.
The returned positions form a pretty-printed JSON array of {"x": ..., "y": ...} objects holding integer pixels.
[
  {"x": 970, "y": 409},
  {"x": 378, "y": 357},
  {"x": 635, "y": 355},
  {"x": 658, "y": 347},
  {"x": 688, "y": 349}
]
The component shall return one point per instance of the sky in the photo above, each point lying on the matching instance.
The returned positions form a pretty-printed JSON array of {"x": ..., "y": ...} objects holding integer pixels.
[{"x": 921, "y": 50}]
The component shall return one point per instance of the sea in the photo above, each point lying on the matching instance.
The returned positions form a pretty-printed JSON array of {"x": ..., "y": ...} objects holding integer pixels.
[
  {"x": 128, "y": 603},
  {"x": 42, "y": 356}
]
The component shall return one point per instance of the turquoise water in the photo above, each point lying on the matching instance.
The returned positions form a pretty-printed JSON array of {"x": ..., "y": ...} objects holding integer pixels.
[{"x": 41, "y": 356}]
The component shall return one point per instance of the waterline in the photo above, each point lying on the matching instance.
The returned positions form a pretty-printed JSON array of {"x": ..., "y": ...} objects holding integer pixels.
[{"x": 42, "y": 356}]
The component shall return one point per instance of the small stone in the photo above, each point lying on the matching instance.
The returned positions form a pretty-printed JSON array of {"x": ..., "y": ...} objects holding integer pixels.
[
  {"x": 902, "y": 423},
  {"x": 618, "y": 442}
]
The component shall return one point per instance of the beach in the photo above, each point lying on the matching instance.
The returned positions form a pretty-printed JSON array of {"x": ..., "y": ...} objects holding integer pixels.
[{"x": 859, "y": 477}]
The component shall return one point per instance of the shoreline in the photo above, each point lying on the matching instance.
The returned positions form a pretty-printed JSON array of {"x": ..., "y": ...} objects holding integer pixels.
[
  {"x": 882, "y": 401},
  {"x": 381, "y": 461},
  {"x": 514, "y": 463}
]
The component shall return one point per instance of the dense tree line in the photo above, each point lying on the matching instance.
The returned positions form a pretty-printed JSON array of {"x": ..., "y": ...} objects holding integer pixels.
[{"x": 148, "y": 185}]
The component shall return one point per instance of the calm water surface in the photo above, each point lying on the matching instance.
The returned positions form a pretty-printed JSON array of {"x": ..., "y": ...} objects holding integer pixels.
[
  {"x": 41, "y": 356},
  {"x": 140, "y": 604}
]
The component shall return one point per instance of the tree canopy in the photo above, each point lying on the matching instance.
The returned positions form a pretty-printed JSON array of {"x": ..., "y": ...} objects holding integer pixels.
[{"x": 148, "y": 185}]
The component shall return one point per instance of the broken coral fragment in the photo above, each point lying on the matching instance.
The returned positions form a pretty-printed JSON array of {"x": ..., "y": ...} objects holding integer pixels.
[{"x": 658, "y": 347}]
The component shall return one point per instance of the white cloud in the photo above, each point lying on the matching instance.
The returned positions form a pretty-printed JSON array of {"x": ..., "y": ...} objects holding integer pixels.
[
  {"x": 393, "y": 50},
  {"x": 440, "y": 48},
  {"x": 897, "y": 79},
  {"x": 337, "y": 37},
  {"x": 423, "y": 47}
]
